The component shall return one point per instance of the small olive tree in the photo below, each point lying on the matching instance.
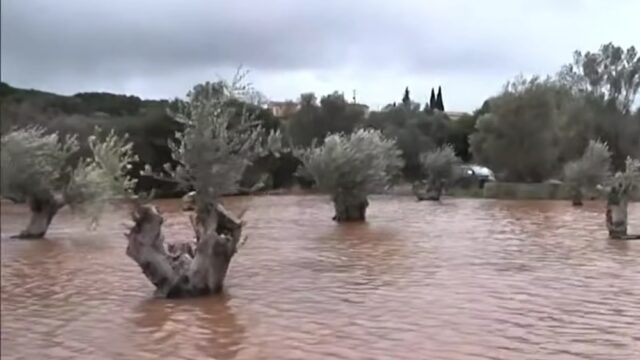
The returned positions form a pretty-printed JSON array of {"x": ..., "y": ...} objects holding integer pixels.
[
  {"x": 350, "y": 167},
  {"x": 589, "y": 171},
  {"x": 36, "y": 169},
  {"x": 621, "y": 186},
  {"x": 440, "y": 168},
  {"x": 212, "y": 152}
]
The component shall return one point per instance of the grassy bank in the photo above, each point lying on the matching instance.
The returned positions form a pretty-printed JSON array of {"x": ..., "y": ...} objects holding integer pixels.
[{"x": 541, "y": 191}]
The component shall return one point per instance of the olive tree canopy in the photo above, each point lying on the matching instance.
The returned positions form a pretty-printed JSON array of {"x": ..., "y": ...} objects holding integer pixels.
[
  {"x": 439, "y": 167},
  {"x": 590, "y": 170},
  {"x": 37, "y": 168},
  {"x": 350, "y": 167},
  {"x": 211, "y": 153}
]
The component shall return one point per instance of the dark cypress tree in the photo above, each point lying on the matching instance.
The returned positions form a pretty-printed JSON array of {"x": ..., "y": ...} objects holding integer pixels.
[
  {"x": 406, "y": 99},
  {"x": 432, "y": 100},
  {"x": 439, "y": 103}
]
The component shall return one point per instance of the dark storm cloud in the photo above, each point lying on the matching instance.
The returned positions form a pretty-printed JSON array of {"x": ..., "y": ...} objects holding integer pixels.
[
  {"x": 154, "y": 47},
  {"x": 40, "y": 38}
]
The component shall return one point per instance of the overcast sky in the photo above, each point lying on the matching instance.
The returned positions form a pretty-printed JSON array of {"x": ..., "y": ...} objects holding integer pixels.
[{"x": 160, "y": 48}]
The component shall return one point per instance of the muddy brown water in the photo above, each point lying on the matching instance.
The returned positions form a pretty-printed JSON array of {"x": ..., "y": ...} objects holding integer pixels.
[{"x": 465, "y": 279}]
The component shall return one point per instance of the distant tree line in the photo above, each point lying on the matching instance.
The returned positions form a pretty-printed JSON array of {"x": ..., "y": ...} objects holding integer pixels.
[
  {"x": 526, "y": 133},
  {"x": 534, "y": 126}
]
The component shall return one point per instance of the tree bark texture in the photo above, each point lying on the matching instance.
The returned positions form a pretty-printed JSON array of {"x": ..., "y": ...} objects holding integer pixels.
[
  {"x": 349, "y": 207},
  {"x": 616, "y": 215},
  {"x": 185, "y": 269},
  {"x": 43, "y": 209}
]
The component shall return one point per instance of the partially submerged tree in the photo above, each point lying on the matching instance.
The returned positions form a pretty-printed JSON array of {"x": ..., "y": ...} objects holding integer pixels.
[
  {"x": 36, "y": 170},
  {"x": 212, "y": 154},
  {"x": 589, "y": 171},
  {"x": 439, "y": 167},
  {"x": 350, "y": 167},
  {"x": 623, "y": 184}
]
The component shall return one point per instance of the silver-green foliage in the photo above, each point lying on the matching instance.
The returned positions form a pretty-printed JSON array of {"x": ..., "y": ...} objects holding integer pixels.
[
  {"x": 36, "y": 165},
  {"x": 628, "y": 181},
  {"x": 33, "y": 162},
  {"x": 364, "y": 162},
  {"x": 440, "y": 164},
  {"x": 103, "y": 176},
  {"x": 215, "y": 146},
  {"x": 592, "y": 169}
]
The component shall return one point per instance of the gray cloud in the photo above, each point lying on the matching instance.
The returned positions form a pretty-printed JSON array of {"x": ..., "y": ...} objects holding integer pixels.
[{"x": 154, "y": 48}]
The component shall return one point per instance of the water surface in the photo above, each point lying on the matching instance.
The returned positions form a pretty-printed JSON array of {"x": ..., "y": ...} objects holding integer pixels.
[{"x": 465, "y": 279}]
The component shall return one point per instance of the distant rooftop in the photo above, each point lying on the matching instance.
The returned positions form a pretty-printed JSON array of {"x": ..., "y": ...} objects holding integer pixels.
[{"x": 455, "y": 115}]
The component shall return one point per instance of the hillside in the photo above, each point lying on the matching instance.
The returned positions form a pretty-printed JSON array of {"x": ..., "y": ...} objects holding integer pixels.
[{"x": 145, "y": 121}]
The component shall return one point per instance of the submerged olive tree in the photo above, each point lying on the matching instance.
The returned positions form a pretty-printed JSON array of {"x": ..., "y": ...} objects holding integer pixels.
[
  {"x": 350, "y": 167},
  {"x": 212, "y": 152},
  {"x": 589, "y": 171},
  {"x": 622, "y": 185},
  {"x": 36, "y": 169},
  {"x": 439, "y": 166}
]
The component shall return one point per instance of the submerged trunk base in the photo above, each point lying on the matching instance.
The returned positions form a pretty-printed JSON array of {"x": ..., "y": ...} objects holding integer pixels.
[
  {"x": 185, "y": 269},
  {"x": 616, "y": 216},
  {"x": 424, "y": 191},
  {"x": 576, "y": 197},
  {"x": 350, "y": 208},
  {"x": 42, "y": 213},
  {"x": 349, "y": 213},
  {"x": 433, "y": 194}
]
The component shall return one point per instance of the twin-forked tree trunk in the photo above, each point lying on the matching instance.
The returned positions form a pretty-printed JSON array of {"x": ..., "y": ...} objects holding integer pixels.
[
  {"x": 43, "y": 209},
  {"x": 188, "y": 269},
  {"x": 349, "y": 206},
  {"x": 616, "y": 215}
]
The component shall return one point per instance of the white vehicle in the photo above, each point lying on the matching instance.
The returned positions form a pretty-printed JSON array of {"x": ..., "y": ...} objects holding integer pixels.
[{"x": 476, "y": 173}]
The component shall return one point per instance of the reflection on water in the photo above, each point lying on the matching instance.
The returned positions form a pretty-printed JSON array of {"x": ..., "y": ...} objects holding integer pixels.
[
  {"x": 465, "y": 279},
  {"x": 189, "y": 327}
]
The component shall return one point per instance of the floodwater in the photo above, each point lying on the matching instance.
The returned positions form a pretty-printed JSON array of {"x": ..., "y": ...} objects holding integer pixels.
[{"x": 465, "y": 279}]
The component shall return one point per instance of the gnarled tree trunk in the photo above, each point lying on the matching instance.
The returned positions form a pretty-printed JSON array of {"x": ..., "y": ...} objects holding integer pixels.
[
  {"x": 188, "y": 269},
  {"x": 616, "y": 215},
  {"x": 349, "y": 206},
  {"x": 576, "y": 196},
  {"x": 43, "y": 209}
]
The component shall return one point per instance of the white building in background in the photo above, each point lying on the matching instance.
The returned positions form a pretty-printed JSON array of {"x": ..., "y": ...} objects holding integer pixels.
[
  {"x": 283, "y": 109},
  {"x": 455, "y": 115}
]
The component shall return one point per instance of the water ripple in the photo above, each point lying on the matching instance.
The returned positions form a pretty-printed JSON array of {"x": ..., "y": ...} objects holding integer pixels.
[{"x": 465, "y": 279}]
